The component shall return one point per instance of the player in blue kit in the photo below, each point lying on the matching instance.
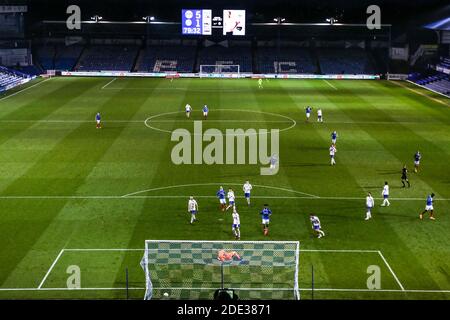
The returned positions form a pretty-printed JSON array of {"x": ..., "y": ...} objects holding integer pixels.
[
  {"x": 205, "y": 111},
  {"x": 221, "y": 196},
  {"x": 334, "y": 136},
  {"x": 308, "y": 112},
  {"x": 429, "y": 207},
  {"x": 265, "y": 214},
  {"x": 98, "y": 120}
]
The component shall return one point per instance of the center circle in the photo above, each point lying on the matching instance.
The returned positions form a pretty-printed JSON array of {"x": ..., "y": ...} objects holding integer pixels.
[{"x": 287, "y": 119}]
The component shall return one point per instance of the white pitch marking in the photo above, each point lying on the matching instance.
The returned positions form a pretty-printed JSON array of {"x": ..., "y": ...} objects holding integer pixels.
[
  {"x": 392, "y": 272},
  {"x": 50, "y": 269},
  {"x": 219, "y": 121},
  {"x": 68, "y": 121},
  {"x": 150, "y": 119},
  {"x": 109, "y": 83},
  {"x": 203, "y": 196},
  {"x": 303, "y": 289},
  {"x": 25, "y": 89},
  {"x": 419, "y": 93},
  {"x": 439, "y": 93},
  {"x": 227, "y": 120},
  {"x": 212, "y": 184},
  {"x": 326, "y": 81},
  {"x": 186, "y": 288}
]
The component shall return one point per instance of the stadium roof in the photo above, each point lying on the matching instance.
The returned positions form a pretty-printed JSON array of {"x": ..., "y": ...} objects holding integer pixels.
[{"x": 311, "y": 11}]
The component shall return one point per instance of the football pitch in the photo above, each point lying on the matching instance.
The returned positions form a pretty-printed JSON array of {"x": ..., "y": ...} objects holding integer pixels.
[{"x": 73, "y": 195}]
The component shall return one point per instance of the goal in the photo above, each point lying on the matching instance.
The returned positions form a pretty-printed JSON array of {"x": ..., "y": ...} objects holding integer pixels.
[
  {"x": 220, "y": 70},
  {"x": 191, "y": 269}
]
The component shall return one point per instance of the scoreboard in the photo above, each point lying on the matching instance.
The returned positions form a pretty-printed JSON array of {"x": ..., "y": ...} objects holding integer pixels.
[
  {"x": 201, "y": 22},
  {"x": 196, "y": 22}
]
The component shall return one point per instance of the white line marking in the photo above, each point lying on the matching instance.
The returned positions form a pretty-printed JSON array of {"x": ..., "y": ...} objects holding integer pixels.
[
  {"x": 214, "y": 184},
  {"x": 106, "y": 249},
  {"x": 419, "y": 93},
  {"x": 419, "y": 85},
  {"x": 70, "y": 121},
  {"x": 226, "y": 120},
  {"x": 193, "y": 249},
  {"x": 338, "y": 250},
  {"x": 229, "y": 120},
  {"x": 50, "y": 269},
  {"x": 326, "y": 81},
  {"x": 109, "y": 83},
  {"x": 222, "y": 90},
  {"x": 308, "y": 197},
  {"x": 392, "y": 272},
  {"x": 304, "y": 289},
  {"x": 25, "y": 89},
  {"x": 187, "y": 288},
  {"x": 150, "y": 119}
]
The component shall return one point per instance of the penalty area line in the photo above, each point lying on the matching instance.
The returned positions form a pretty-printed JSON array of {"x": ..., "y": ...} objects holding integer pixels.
[
  {"x": 392, "y": 271},
  {"x": 50, "y": 269}
]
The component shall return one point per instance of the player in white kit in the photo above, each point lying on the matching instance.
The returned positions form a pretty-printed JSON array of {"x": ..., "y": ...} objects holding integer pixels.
[
  {"x": 369, "y": 205},
  {"x": 230, "y": 196},
  {"x": 319, "y": 115},
  {"x": 188, "y": 110},
  {"x": 247, "y": 188},
  {"x": 385, "y": 194},
  {"x": 316, "y": 226},
  {"x": 236, "y": 227},
  {"x": 192, "y": 208},
  {"x": 333, "y": 151}
]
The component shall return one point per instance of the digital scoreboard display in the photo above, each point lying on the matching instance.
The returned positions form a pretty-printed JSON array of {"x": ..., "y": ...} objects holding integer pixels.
[{"x": 196, "y": 22}]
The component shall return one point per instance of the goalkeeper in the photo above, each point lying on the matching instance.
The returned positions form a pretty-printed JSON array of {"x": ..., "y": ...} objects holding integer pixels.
[{"x": 223, "y": 255}]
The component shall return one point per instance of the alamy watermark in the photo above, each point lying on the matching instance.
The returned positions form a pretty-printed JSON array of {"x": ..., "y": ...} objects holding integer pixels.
[
  {"x": 73, "y": 22},
  {"x": 374, "y": 20},
  {"x": 74, "y": 280},
  {"x": 374, "y": 280},
  {"x": 234, "y": 146}
]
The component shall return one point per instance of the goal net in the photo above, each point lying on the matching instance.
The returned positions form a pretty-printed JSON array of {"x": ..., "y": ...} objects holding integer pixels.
[
  {"x": 196, "y": 269},
  {"x": 214, "y": 70}
]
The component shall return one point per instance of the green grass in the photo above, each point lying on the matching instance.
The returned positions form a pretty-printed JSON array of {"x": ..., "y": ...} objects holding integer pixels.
[{"x": 61, "y": 181}]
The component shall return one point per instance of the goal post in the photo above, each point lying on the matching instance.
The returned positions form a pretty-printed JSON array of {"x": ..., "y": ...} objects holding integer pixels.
[
  {"x": 225, "y": 70},
  {"x": 176, "y": 269}
]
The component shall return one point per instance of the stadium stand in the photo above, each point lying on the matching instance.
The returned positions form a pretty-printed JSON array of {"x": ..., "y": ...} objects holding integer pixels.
[
  {"x": 107, "y": 58},
  {"x": 445, "y": 63},
  {"x": 218, "y": 55},
  {"x": 10, "y": 78},
  {"x": 45, "y": 56},
  {"x": 439, "y": 82},
  {"x": 290, "y": 60},
  {"x": 163, "y": 59},
  {"x": 66, "y": 57},
  {"x": 58, "y": 57},
  {"x": 345, "y": 61}
]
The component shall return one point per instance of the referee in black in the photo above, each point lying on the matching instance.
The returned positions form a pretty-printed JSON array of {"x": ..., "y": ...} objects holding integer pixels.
[{"x": 405, "y": 177}]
